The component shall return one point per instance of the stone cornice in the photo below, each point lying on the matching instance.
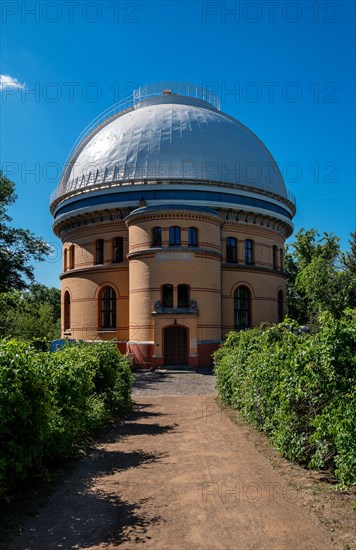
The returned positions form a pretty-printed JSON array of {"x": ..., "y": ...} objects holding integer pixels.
[
  {"x": 100, "y": 218},
  {"x": 108, "y": 217},
  {"x": 225, "y": 266},
  {"x": 149, "y": 183},
  {"x": 180, "y": 213},
  {"x": 122, "y": 266}
]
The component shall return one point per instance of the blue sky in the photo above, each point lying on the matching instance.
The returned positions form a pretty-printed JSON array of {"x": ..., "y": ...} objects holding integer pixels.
[{"x": 284, "y": 69}]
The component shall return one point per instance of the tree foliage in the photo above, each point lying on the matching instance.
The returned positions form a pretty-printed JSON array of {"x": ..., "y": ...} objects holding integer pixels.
[
  {"x": 17, "y": 246},
  {"x": 31, "y": 313},
  {"x": 319, "y": 276}
]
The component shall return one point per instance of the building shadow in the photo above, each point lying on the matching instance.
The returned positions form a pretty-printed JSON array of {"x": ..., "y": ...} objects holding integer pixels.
[
  {"x": 144, "y": 380},
  {"x": 92, "y": 506}
]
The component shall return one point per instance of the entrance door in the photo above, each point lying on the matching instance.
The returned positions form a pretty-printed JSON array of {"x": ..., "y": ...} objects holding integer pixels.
[{"x": 175, "y": 345}]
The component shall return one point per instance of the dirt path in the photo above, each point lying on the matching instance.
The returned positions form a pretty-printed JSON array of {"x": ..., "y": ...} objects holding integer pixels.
[{"x": 176, "y": 474}]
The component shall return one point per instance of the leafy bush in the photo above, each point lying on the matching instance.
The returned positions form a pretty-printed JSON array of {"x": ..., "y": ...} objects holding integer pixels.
[
  {"x": 89, "y": 384},
  {"x": 50, "y": 404},
  {"x": 25, "y": 405},
  {"x": 299, "y": 389}
]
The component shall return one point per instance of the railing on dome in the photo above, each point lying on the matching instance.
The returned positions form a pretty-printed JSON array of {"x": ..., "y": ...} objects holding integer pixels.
[
  {"x": 140, "y": 94},
  {"x": 180, "y": 88},
  {"x": 106, "y": 179},
  {"x": 291, "y": 197}
]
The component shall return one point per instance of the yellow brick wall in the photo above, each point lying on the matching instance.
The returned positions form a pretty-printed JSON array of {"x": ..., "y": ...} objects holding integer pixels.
[{"x": 138, "y": 280}]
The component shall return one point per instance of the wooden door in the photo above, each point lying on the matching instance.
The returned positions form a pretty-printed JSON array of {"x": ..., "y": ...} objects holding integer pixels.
[{"x": 175, "y": 345}]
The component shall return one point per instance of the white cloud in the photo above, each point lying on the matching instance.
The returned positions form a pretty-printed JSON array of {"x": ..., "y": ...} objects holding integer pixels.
[{"x": 8, "y": 82}]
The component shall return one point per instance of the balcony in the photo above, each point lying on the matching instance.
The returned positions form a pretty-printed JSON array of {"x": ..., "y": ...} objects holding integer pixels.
[{"x": 191, "y": 309}]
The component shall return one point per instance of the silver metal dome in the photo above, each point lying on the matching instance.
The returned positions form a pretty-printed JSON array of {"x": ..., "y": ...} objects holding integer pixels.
[{"x": 171, "y": 137}]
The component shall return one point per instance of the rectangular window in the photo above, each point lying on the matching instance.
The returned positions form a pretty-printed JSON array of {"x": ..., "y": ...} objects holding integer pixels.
[
  {"x": 174, "y": 236},
  {"x": 280, "y": 306},
  {"x": 108, "y": 308},
  {"x": 275, "y": 257},
  {"x": 183, "y": 295},
  {"x": 281, "y": 259},
  {"x": 242, "y": 308},
  {"x": 231, "y": 250},
  {"x": 167, "y": 296},
  {"x": 65, "y": 260},
  {"x": 249, "y": 259},
  {"x": 66, "y": 311},
  {"x": 72, "y": 257},
  {"x": 99, "y": 251},
  {"x": 118, "y": 250},
  {"x": 157, "y": 236},
  {"x": 192, "y": 236}
]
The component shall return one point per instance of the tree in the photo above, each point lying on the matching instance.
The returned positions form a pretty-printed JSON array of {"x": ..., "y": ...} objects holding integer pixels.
[
  {"x": 349, "y": 258},
  {"x": 319, "y": 276},
  {"x": 17, "y": 246},
  {"x": 32, "y": 313}
]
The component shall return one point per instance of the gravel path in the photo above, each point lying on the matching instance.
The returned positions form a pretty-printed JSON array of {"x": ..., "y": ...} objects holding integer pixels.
[
  {"x": 167, "y": 383},
  {"x": 175, "y": 474}
]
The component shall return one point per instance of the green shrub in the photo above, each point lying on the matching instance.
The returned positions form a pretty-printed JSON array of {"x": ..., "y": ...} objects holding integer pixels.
[
  {"x": 52, "y": 404},
  {"x": 70, "y": 378},
  {"x": 113, "y": 377},
  {"x": 25, "y": 409},
  {"x": 297, "y": 388},
  {"x": 90, "y": 384}
]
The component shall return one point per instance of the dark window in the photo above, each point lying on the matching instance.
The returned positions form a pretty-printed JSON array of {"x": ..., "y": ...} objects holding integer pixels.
[
  {"x": 174, "y": 236},
  {"x": 242, "y": 308},
  {"x": 281, "y": 259},
  {"x": 183, "y": 295},
  {"x": 99, "y": 251},
  {"x": 249, "y": 260},
  {"x": 157, "y": 236},
  {"x": 192, "y": 236},
  {"x": 231, "y": 250},
  {"x": 71, "y": 257},
  {"x": 65, "y": 260},
  {"x": 280, "y": 306},
  {"x": 118, "y": 250},
  {"x": 275, "y": 257},
  {"x": 66, "y": 311},
  {"x": 108, "y": 308},
  {"x": 167, "y": 296}
]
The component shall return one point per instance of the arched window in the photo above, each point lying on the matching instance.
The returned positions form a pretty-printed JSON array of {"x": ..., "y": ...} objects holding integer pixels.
[
  {"x": 281, "y": 259},
  {"x": 118, "y": 250},
  {"x": 174, "y": 236},
  {"x": 231, "y": 250},
  {"x": 249, "y": 255},
  {"x": 108, "y": 308},
  {"x": 167, "y": 296},
  {"x": 157, "y": 236},
  {"x": 65, "y": 259},
  {"x": 275, "y": 257},
  {"x": 280, "y": 306},
  {"x": 99, "y": 251},
  {"x": 242, "y": 305},
  {"x": 183, "y": 295},
  {"x": 72, "y": 256},
  {"x": 66, "y": 311},
  {"x": 192, "y": 236}
]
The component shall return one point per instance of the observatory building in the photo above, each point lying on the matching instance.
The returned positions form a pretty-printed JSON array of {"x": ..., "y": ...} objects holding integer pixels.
[{"x": 173, "y": 217}]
